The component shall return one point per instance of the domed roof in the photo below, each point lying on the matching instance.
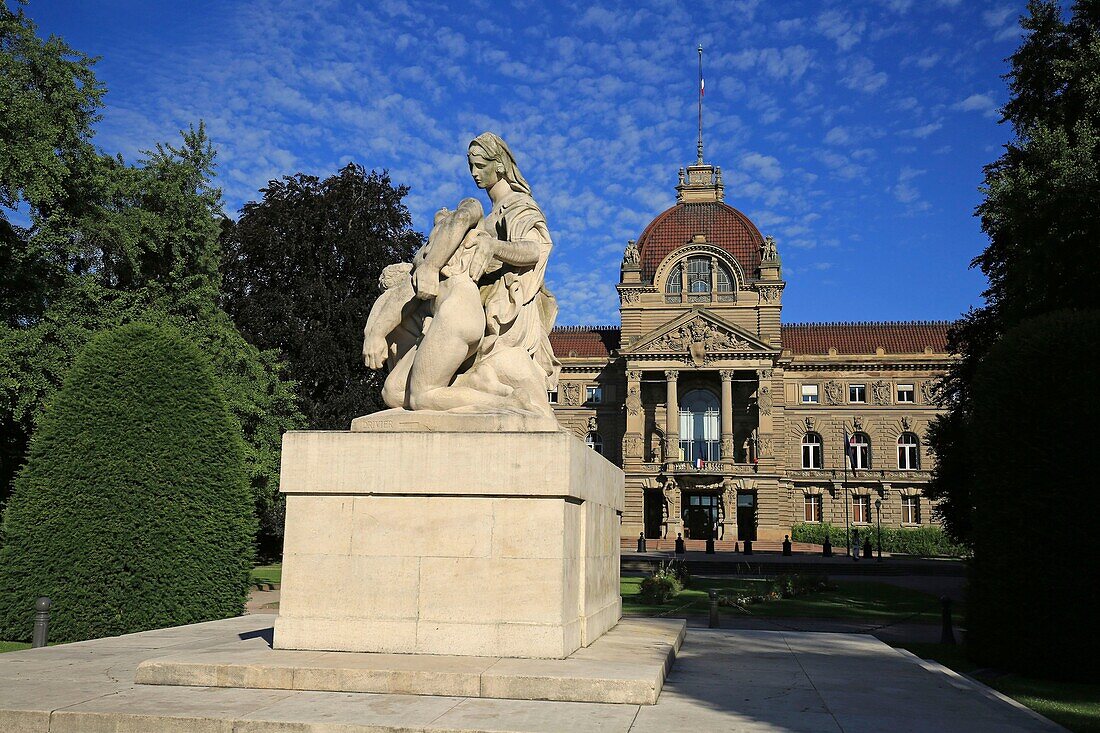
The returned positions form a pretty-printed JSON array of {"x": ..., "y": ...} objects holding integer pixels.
[{"x": 721, "y": 224}]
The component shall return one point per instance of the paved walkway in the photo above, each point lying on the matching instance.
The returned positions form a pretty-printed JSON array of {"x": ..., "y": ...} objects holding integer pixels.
[{"x": 723, "y": 680}]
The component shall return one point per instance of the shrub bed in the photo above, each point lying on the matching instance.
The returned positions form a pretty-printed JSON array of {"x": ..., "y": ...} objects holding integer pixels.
[{"x": 927, "y": 541}]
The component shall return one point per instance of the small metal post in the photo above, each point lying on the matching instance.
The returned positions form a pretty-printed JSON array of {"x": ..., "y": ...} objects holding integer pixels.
[
  {"x": 641, "y": 542},
  {"x": 786, "y": 545},
  {"x": 713, "y": 608},
  {"x": 41, "y": 622},
  {"x": 710, "y": 545},
  {"x": 748, "y": 547},
  {"x": 878, "y": 515},
  {"x": 947, "y": 635}
]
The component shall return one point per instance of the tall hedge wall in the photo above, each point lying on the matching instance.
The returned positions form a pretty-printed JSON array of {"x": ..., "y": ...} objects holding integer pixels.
[
  {"x": 133, "y": 511},
  {"x": 1031, "y": 597}
]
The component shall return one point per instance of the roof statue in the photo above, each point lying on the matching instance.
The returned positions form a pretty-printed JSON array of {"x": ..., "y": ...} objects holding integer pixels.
[{"x": 465, "y": 326}]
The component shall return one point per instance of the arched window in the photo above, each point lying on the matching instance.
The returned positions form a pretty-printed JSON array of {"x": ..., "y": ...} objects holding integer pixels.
[
  {"x": 811, "y": 451},
  {"x": 908, "y": 452},
  {"x": 699, "y": 432},
  {"x": 725, "y": 281},
  {"x": 859, "y": 451},
  {"x": 675, "y": 283},
  {"x": 698, "y": 274},
  {"x": 595, "y": 442}
]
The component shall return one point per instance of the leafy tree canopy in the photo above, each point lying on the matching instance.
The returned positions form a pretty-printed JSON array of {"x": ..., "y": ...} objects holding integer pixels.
[
  {"x": 1040, "y": 215},
  {"x": 301, "y": 272}
]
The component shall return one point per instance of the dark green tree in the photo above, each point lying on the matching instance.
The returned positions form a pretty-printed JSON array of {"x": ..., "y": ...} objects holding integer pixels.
[
  {"x": 1041, "y": 217},
  {"x": 1027, "y": 597},
  {"x": 133, "y": 511},
  {"x": 111, "y": 243},
  {"x": 301, "y": 273}
]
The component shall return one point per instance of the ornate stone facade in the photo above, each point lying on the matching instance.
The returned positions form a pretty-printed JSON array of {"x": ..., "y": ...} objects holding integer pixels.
[{"x": 712, "y": 405}]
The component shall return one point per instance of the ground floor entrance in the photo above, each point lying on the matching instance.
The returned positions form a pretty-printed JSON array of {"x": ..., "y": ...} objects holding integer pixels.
[
  {"x": 701, "y": 516},
  {"x": 746, "y": 516}
]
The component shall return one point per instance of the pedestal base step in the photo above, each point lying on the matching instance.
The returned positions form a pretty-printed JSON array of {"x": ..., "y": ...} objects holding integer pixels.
[{"x": 626, "y": 665}]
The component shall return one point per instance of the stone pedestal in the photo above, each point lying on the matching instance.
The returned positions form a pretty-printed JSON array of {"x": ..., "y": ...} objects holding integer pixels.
[{"x": 427, "y": 536}]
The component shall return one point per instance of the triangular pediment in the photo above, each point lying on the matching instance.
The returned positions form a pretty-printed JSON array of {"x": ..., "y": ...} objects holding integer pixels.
[{"x": 695, "y": 332}]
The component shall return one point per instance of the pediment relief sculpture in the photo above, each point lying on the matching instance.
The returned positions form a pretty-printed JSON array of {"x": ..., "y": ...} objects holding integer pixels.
[{"x": 697, "y": 337}]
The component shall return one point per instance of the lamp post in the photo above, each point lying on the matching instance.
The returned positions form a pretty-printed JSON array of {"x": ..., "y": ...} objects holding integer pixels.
[{"x": 878, "y": 517}]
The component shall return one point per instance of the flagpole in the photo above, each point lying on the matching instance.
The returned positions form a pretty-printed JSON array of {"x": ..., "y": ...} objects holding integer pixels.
[
  {"x": 699, "y": 151},
  {"x": 847, "y": 531}
]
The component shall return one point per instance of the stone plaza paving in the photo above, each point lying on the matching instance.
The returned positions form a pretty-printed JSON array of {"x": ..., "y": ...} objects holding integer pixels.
[{"x": 723, "y": 680}]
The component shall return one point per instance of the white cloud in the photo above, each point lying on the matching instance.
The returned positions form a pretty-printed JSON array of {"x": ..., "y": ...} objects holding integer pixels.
[
  {"x": 983, "y": 103},
  {"x": 923, "y": 131},
  {"x": 764, "y": 166},
  {"x": 835, "y": 25},
  {"x": 861, "y": 75},
  {"x": 837, "y": 136}
]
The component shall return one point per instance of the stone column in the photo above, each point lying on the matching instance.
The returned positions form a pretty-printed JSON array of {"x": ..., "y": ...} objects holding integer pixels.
[
  {"x": 727, "y": 415},
  {"x": 672, "y": 416}
]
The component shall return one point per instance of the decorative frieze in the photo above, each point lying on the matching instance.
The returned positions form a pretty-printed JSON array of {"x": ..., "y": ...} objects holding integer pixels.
[
  {"x": 834, "y": 392},
  {"x": 698, "y": 335},
  {"x": 764, "y": 400},
  {"x": 571, "y": 393}
]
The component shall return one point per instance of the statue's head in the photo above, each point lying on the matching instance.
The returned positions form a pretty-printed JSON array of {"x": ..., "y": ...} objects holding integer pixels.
[{"x": 490, "y": 161}]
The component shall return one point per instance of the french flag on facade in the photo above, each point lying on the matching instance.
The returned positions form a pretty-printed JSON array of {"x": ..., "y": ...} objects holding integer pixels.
[{"x": 699, "y": 464}]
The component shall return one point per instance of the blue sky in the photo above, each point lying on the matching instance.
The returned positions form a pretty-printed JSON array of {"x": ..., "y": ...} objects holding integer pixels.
[{"x": 853, "y": 132}]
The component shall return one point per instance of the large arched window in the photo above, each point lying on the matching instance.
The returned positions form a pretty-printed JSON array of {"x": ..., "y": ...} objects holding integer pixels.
[
  {"x": 699, "y": 431},
  {"x": 811, "y": 451},
  {"x": 595, "y": 442},
  {"x": 700, "y": 276},
  {"x": 859, "y": 451},
  {"x": 908, "y": 452}
]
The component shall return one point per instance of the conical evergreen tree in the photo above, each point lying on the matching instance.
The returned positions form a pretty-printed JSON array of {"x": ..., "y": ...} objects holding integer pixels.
[{"x": 133, "y": 511}]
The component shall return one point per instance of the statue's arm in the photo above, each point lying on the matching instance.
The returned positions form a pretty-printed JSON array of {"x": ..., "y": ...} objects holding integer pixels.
[
  {"x": 447, "y": 234},
  {"x": 386, "y": 314}
]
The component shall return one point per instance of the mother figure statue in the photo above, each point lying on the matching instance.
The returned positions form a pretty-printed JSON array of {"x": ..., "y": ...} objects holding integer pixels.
[{"x": 466, "y": 325}]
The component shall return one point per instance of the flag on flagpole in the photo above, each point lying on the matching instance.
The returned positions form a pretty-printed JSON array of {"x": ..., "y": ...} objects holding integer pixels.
[
  {"x": 701, "y": 86},
  {"x": 699, "y": 463}
]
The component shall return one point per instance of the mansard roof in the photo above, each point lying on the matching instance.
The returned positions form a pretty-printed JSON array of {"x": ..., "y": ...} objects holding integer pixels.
[
  {"x": 903, "y": 337},
  {"x": 585, "y": 341},
  {"x": 721, "y": 224}
]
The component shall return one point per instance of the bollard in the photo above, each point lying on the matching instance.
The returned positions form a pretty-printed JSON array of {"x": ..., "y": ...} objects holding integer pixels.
[
  {"x": 786, "y": 545},
  {"x": 868, "y": 551},
  {"x": 736, "y": 547},
  {"x": 827, "y": 548},
  {"x": 641, "y": 542},
  {"x": 710, "y": 545},
  {"x": 41, "y": 622},
  {"x": 947, "y": 634},
  {"x": 713, "y": 608},
  {"x": 748, "y": 547},
  {"x": 679, "y": 544}
]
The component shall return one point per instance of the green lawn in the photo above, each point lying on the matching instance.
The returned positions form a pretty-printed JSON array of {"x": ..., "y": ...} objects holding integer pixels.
[
  {"x": 13, "y": 646},
  {"x": 866, "y": 601},
  {"x": 1074, "y": 705},
  {"x": 267, "y": 573}
]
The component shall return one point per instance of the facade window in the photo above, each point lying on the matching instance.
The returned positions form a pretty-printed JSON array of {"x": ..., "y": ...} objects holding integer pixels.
[
  {"x": 813, "y": 508},
  {"x": 811, "y": 451},
  {"x": 698, "y": 274},
  {"x": 552, "y": 395},
  {"x": 699, "y": 426},
  {"x": 725, "y": 282},
  {"x": 675, "y": 283},
  {"x": 595, "y": 442},
  {"x": 809, "y": 394},
  {"x": 859, "y": 451},
  {"x": 908, "y": 452},
  {"x": 593, "y": 395},
  {"x": 857, "y": 392},
  {"x": 910, "y": 510},
  {"x": 861, "y": 509},
  {"x": 906, "y": 393}
]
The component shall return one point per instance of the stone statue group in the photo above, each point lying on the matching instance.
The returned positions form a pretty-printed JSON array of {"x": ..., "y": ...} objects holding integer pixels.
[{"x": 465, "y": 326}]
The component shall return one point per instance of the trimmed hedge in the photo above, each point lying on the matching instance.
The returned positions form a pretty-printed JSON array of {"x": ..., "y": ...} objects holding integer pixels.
[
  {"x": 133, "y": 511},
  {"x": 1033, "y": 428},
  {"x": 926, "y": 541}
]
